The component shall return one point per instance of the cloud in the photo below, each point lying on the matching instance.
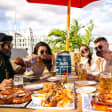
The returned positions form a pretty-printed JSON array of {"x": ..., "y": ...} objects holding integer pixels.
[{"x": 43, "y": 18}]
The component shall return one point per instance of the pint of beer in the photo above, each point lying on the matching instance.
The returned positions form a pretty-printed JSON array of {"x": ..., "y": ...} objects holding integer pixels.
[
  {"x": 53, "y": 71},
  {"x": 81, "y": 72},
  {"x": 18, "y": 81},
  {"x": 106, "y": 82},
  {"x": 77, "y": 57}
]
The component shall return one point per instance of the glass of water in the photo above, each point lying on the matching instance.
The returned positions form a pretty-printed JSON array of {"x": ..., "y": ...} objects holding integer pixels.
[{"x": 18, "y": 81}]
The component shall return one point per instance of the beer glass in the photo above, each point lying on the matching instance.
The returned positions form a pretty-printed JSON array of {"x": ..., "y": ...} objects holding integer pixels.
[
  {"x": 53, "y": 71},
  {"x": 81, "y": 72},
  {"x": 18, "y": 81},
  {"x": 77, "y": 57},
  {"x": 105, "y": 82}
]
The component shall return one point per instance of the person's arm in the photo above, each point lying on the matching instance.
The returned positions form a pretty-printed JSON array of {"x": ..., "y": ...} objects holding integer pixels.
[
  {"x": 19, "y": 65},
  {"x": 6, "y": 84},
  {"x": 51, "y": 57}
]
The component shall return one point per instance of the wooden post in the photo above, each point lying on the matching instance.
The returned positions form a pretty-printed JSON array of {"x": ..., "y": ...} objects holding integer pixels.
[{"x": 68, "y": 25}]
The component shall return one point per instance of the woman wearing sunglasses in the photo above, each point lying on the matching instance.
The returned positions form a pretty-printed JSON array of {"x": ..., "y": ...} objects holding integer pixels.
[
  {"x": 47, "y": 59},
  {"x": 41, "y": 62},
  {"x": 90, "y": 61},
  {"x": 43, "y": 50}
]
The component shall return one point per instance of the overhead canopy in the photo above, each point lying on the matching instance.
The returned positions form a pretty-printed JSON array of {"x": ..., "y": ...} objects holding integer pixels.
[
  {"x": 74, "y": 3},
  {"x": 69, "y": 3}
]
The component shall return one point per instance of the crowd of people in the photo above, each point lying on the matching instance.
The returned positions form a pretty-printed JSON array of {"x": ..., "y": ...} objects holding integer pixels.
[{"x": 42, "y": 59}]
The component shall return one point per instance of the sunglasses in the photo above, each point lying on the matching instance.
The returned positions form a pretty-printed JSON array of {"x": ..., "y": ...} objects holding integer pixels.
[
  {"x": 99, "y": 47},
  {"x": 6, "y": 45},
  {"x": 84, "y": 50},
  {"x": 44, "y": 51}
]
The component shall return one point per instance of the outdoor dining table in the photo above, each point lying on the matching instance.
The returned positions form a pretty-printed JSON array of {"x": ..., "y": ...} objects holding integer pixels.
[{"x": 78, "y": 101}]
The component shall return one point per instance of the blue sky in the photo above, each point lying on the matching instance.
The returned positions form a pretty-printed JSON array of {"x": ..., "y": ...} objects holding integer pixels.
[{"x": 43, "y": 18}]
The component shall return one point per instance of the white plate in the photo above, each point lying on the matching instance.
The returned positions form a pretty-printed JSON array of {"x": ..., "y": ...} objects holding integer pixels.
[
  {"x": 37, "y": 98},
  {"x": 33, "y": 86},
  {"x": 53, "y": 78},
  {"x": 69, "y": 85},
  {"x": 85, "y": 82},
  {"x": 87, "y": 89}
]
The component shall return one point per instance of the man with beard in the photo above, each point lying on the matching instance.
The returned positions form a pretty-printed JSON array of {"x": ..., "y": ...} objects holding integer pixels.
[
  {"x": 102, "y": 50},
  {"x": 6, "y": 70}
]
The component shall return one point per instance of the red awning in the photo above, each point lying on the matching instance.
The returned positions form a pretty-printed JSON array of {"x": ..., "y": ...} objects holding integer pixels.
[{"x": 74, "y": 3}]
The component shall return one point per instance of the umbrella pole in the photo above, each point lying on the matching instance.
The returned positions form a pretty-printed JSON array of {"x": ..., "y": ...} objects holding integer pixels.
[{"x": 68, "y": 25}]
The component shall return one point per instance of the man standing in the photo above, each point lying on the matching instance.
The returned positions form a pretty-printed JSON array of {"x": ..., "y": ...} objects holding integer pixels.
[
  {"x": 102, "y": 50},
  {"x": 6, "y": 70}
]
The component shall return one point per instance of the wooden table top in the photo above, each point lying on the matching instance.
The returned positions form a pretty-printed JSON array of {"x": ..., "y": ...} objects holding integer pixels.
[{"x": 77, "y": 109}]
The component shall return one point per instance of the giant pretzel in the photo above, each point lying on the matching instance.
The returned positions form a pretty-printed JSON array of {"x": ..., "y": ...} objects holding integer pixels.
[
  {"x": 14, "y": 96},
  {"x": 102, "y": 102}
]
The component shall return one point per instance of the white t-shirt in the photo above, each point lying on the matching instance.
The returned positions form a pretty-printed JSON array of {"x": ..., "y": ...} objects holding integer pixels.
[{"x": 94, "y": 67}]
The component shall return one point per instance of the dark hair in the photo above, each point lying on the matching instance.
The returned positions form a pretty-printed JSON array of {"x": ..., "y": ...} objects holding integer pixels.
[
  {"x": 4, "y": 37},
  {"x": 48, "y": 63},
  {"x": 90, "y": 54},
  {"x": 100, "y": 39}
]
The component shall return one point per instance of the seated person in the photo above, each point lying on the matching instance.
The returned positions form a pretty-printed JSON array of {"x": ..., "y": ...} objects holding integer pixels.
[
  {"x": 90, "y": 61},
  {"x": 6, "y": 70},
  {"x": 102, "y": 50},
  {"x": 44, "y": 60}
]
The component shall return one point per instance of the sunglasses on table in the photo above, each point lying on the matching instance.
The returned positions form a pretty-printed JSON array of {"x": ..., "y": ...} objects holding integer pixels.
[
  {"x": 44, "y": 51},
  {"x": 84, "y": 50},
  {"x": 99, "y": 47}
]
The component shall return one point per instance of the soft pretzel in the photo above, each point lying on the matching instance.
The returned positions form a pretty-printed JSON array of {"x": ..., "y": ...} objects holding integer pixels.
[{"x": 14, "y": 96}]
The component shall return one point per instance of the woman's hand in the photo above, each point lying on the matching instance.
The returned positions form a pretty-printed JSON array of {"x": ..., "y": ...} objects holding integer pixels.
[{"x": 6, "y": 84}]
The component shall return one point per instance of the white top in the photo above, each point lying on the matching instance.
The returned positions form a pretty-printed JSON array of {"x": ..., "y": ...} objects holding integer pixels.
[{"x": 94, "y": 67}]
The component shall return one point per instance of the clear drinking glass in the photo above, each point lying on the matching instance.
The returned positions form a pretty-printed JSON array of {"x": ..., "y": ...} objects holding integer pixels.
[
  {"x": 77, "y": 57},
  {"x": 18, "y": 81},
  {"x": 105, "y": 82},
  {"x": 53, "y": 71},
  {"x": 82, "y": 72}
]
